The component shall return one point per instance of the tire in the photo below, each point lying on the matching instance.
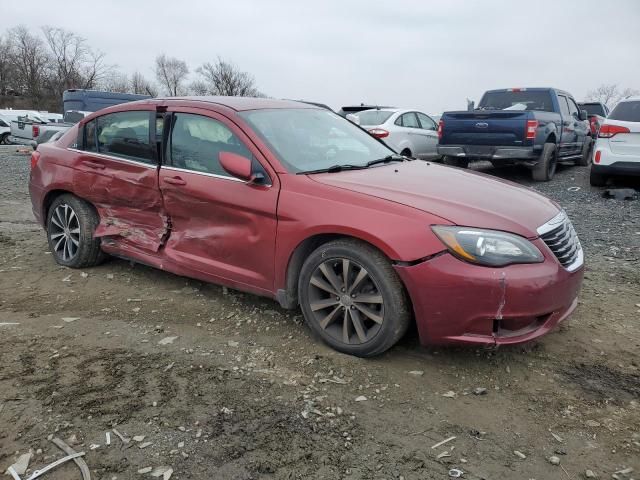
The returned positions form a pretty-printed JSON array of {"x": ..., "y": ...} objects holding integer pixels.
[
  {"x": 4, "y": 139},
  {"x": 455, "y": 161},
  {"x": 328, "y": 305},
  {"x": 70, "y": 226},
  {"x": 597, "y": 179},
  {"x": 545, "y": 169},
  {"x": 406, "y": 153},
  {"x": 585, "y": 158}
]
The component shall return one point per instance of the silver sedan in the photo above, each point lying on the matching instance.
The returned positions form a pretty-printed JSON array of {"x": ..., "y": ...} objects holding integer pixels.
[{"x": 408, "y": 132}]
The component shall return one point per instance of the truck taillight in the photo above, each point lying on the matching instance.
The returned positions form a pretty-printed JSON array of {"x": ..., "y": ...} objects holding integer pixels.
[
  {"x": 35, "y": 156},
  {"x": 35, "y": 130},
  {"x": 440, "y": 128},
  {"x": 608, "y": 131},
  {"x": 379, "y": 132},
  {"x": 532, "y": 126}
]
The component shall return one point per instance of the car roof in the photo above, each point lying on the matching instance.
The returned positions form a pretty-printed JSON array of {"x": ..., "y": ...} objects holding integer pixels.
[{"x": 241, "y": 103}]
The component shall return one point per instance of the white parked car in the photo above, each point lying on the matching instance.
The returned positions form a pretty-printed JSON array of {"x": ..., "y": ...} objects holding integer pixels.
[
  {"x": 617, "y": 150},
  {"x": 5, "y": 130},
  {"x": 408, "y": 132}
]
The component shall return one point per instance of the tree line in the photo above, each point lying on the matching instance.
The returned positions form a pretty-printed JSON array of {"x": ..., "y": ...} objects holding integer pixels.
[{"x": 37, "y": 66}]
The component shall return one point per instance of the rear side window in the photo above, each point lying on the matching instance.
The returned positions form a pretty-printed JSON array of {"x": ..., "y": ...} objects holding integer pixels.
[
  {"x": 426, "y": 122},
  {"x": 626, "y": 111},
  {"x": 197, "y": 141},
  {"x": 126, "y": 135},
  {"x": 409, "y": 120},
  {"x": 517, "y": 100}
]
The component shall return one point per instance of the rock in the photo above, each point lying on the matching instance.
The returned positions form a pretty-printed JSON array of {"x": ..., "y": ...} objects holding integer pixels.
[
  {"x": 590, "y": 474},
  {"x": 70, "y": 319},
  {"x": 361, "y": 398},
  {"x": 180, "y": 444},
  {"x": 162, "y": 472},
  {"x": 553, "y": 460},
  {"x": 167, "y": 340},
  {"x": 21, "y": 464},
  {"x": 226, "y": 411},
  {"x": 145, "y": 470},
  {"x": 519, "y": 454},
  {"x": 449, "y": 394},
  {"x": 84, "y": 274},
  {"x": 138, "y": 438},
  {"x": 145, "y": 444},
  {"x": 109, "y": 276},
  {"x": 417, "y": 373},
  {"x": 592, "y": 423},
  {"x": 232, "y": 343},
  {"x": 480, "y": 391}
]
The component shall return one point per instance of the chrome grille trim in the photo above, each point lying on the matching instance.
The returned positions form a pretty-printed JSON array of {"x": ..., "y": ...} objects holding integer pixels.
[{"x": 561, "y": 238}]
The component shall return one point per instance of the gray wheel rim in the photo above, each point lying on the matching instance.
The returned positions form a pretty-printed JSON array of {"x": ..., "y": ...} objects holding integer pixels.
[
  {"x": 345, "y": 301},
  {"x": 64, "y": 232}
]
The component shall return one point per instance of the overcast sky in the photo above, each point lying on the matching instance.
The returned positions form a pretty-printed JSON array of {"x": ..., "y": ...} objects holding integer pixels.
[{"x": 429, "y": 55}]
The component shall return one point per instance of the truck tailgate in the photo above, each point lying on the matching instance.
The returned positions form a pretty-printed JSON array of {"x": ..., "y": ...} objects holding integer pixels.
[{"x": 499, "y": 127}]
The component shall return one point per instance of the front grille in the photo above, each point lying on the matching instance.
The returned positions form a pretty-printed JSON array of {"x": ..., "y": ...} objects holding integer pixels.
[{"x": 561, "y": 238}]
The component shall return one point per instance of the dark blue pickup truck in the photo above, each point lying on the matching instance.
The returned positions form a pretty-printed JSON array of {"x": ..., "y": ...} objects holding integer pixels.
[{"x": 537, "y": 127}]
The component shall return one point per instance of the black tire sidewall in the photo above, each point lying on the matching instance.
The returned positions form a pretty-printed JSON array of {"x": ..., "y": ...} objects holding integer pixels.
[
  {"x": 396, "y": 311},
  {"x": 541, "y": 170},
  {"x": 585, "y": 158}
]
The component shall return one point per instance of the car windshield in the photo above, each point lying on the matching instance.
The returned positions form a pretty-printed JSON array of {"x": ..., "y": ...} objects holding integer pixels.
[
  {"x": 593, "y": 109},
  {"x": 517, "y": 100},
  {"x": 313, "y": 139},
  {"x": 626, "y": 111},
  {"x": 372, "y": 117}
]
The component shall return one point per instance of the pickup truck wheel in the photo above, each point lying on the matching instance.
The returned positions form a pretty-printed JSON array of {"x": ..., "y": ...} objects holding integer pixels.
[
  {"x": 353, "y": 299},
  {"x": 70, "y": 226},
  {"x": 585, "y": 158},
  {"x": 545, "y": 169},
  {"x": 455, "y": 161},
  {"x": 597, "y": 179}
]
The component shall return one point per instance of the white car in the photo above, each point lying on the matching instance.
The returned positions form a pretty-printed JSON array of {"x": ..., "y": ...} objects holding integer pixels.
[
  {"x": 617, "y": 150},
  {"x": 5, "y": 130},
  {"x": 408, "y": 132}
]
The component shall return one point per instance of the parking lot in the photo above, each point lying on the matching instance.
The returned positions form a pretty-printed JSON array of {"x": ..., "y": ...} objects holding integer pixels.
[{"x": 223, "y": 384}]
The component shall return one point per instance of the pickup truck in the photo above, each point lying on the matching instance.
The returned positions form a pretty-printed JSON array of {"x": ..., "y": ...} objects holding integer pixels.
[
  {"x": 26, "y": 130},
  {"x": 536, "y": 127}
]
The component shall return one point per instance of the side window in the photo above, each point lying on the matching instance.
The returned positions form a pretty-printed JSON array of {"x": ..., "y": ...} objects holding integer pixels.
[
  {"x": 573, "y": 108},
  {"x": 126, "y": 135},
  {"x": 398, "y": 121},
  {"x": 410, "y": 120},
  {"x": 197, "y": 141},
  {"x": 564, "y": 106},
  {"x": 427, "y": 122},
  {"x": 90, "y": 136}
]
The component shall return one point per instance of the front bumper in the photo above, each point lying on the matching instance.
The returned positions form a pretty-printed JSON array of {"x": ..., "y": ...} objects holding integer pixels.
[
  {"x": 456, "y": 302},
  {"x": 22, "y": 141},
  {"x": 484, "y": 152}
]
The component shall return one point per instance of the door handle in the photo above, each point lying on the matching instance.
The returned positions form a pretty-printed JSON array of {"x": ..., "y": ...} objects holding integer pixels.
[
  {"x": 174, "y": 181},
  {"x": 94, "y": 165}
]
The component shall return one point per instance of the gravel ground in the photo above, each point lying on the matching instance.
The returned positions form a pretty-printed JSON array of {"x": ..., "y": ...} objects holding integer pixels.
[{"x": 223, "y": 384}]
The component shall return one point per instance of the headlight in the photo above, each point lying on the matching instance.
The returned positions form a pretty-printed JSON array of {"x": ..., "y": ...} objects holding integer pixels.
[{"x": 487, "y": 247}]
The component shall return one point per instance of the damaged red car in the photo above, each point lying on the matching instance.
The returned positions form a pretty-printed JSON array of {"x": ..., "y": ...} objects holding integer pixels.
[{"x": 293, "y": 202}]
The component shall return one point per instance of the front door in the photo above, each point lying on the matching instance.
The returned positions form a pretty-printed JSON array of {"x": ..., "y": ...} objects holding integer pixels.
[
  {"x": 221, "y": 227},
  {"x": 568, "y": 138},
  {"x": 115, "y": 169}
]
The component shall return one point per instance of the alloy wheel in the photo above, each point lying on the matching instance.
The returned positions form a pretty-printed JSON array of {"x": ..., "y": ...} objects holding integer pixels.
[
  {"x": 345, "y": 301},
  {"x": 64, "y": 232}
]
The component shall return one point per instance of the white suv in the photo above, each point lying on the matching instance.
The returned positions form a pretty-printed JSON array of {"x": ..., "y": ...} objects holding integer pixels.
[{"x": 617, "y": 150}]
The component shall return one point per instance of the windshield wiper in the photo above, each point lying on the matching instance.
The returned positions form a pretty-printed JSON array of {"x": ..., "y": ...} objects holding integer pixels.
[
  {"x": 387, "y": 159},
  {"x": 334, "y": 169}
]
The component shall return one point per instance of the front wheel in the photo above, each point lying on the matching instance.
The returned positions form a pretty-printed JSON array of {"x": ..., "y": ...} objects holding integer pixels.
[
  {"x": 545, "y": 169},
  {"x": 70, "y": 226},
  {"x": 455, "y": 161},
  {"x": 353, "y": 299}
]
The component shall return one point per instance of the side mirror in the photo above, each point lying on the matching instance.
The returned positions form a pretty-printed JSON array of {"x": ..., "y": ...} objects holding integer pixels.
[
  {"x": 583, "y": 115},
  {"x": 236, "y": 165}
]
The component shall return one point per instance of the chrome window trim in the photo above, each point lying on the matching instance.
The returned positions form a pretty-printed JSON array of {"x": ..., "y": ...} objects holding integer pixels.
[
  {"x": 111, "y": 157},
  {"x": 206, "y": 174}
]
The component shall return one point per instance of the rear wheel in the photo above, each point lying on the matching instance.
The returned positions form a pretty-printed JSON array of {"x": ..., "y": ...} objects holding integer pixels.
[
  {"x": 71, "y": 223},
  {"x": 545, "y": 169},
  {"x": 406, "y": 153},
  {"x": 352, "y": 298},
  {"x": 585, "y": 158},
  {"x": 4, "y": 139},
  {"x": 597, "y": 179},
  {"x": 455, "y": 161}
]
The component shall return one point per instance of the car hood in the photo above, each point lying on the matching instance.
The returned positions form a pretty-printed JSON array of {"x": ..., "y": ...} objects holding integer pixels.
[{"x": 462, "y": 197}]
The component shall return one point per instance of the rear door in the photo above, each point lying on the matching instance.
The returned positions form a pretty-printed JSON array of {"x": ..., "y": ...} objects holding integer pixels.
[
  {"x": 568, "y": 138},
  {"x": 430, "y": 130},
  {"x": 116, "y": 170},
  {"x": 221, "y": 227}
]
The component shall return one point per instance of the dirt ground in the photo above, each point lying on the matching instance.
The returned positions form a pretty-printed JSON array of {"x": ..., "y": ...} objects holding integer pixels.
[{"x": 226, "y": 385}]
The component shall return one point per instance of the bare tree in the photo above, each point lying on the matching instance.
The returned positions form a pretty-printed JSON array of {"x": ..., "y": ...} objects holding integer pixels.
[
  {"x": 7, "y": 77},
  {"x": 610, "y": 94},
  {"x": 115, "y": 82},
  {"x": 30, "y": 59},
  {"x": 224, "y": 78},
  {"x": 142, "y": 86},
  {"x": 171, "y": 74}
]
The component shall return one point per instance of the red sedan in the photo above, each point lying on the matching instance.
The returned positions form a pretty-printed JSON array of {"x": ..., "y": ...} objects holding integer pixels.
[{"x": 291, "y": 201}]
